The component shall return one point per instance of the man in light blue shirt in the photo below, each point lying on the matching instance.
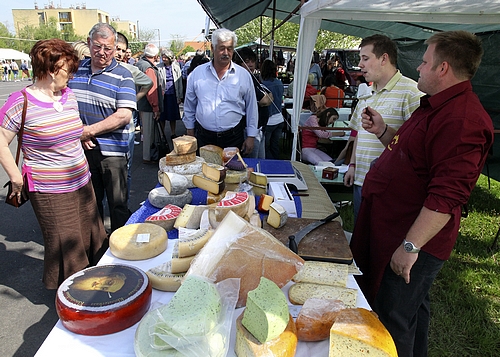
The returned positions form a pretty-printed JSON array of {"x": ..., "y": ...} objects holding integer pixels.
[{"x": 220, "y": 102}]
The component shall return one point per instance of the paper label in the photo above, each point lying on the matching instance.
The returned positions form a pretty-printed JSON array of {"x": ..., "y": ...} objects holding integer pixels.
[{"x": 142, "y": 238}]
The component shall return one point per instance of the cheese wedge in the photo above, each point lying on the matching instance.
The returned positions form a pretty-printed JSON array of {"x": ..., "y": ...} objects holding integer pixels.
[
  {"x": 233, "y": 176},
  {"x": 258, "y": 178},
  {"x": 214, "y": 172},
  {"x": 190, "y": 216},
  {"x": 173, "y": 158},
  {"x": 193, "y": 243},
  {"x": 212, "y": 154},
  {"x": 165, "y": 217},
  {"x": 265, "y": 203},
  {"x": 185, "y": 144},
  {"x": 175, "y": 184},
  {"x": 162, "y": 278},
  {"x": 277, "y": 215},
  {"x": 179, "y": 265},
  {"x": 316, "y": 318},
  {"x": 206, "y": 184}
]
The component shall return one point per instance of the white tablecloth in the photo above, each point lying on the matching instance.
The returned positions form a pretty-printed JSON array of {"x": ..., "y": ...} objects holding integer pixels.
[{"x": 61, "y": 342}]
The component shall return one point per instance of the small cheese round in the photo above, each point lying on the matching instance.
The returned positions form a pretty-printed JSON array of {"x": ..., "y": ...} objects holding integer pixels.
[
  {"x": 191, "y": 168},
  {"x": 159, "y": 197},
  {"x": 138, "y": 241}
]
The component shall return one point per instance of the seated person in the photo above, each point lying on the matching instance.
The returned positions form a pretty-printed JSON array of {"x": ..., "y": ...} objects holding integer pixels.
[
  {"x": 334, "y": 95},
  {"x": 310, "y": 151},
  {"x": 310, "y": 91}
]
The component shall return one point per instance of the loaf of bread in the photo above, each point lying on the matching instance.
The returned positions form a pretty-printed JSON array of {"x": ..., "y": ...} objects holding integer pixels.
[
  {"x": 316, "y": 318},
  {"x": 358, "y": 332},
  {"x": 300, "y": 292}
]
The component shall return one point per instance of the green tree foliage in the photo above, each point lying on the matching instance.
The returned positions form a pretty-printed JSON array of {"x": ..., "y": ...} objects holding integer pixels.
[
  {"x": 187, "y": 49},
  {"x": 177, "y": 44}
]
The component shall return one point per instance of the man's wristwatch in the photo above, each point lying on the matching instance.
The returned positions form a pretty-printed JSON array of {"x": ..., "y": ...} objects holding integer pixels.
[{"x": 410, "y": 247}]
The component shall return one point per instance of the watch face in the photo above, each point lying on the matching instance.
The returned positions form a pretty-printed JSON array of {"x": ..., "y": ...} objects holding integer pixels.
[{"x": 408, "y": 247}]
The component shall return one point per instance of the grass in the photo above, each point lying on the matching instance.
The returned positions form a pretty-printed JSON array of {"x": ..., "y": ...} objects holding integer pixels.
[{"x": 465, "y": 297}]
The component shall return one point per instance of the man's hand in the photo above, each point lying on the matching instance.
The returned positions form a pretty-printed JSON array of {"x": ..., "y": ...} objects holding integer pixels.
[
  {"x": 87, "y": 133},
  {"x": 402, "y": 262},
  {"x": 156, "y": 115},
  {"x": 190, "y": 132},
  {"x": 88, "y": 144},
  {"x": 349, "y": 177},
  {"x": 247, "y": 147},
  {"x": 372, "y": 121}
]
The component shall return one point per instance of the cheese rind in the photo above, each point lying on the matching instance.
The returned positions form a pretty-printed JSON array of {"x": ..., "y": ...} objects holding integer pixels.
[
  {"x": 190, "y": 216},
  {"x": 214, "y": 172},
  {"x": 162, "y": 278},
  {"x": 258, "y": 178},
  {"x": 323, "y": 273},
  {"x": 212, "y": 154},
  {"x": 300, "y": 292},
  {"x": 185, "y": 144},
  {"x": 206, "y": 184},
  {"x": 233, "y": 176},
  {"x": 138, "y": 241},
  {"x": 192, "y": 244},
  {"x": 172, "y": 158},
  {"x": 159, "y": 198},
  {"x": 236, "y": 202},
  {"x": 265, "y": 202},
  {"x": 358, "y": 332},
  {"x": 266, "y": 315},
  {"x": 180, "y": 264},
  {"x": 277, "y": 215},
  {"x": 165, "y": 218},
  {"x": 190, "y": 168},
  {"x": 175, "y": 184}
]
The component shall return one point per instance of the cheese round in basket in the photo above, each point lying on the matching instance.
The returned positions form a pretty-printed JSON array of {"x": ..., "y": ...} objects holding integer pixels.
[{"x": 103, "y": 299}]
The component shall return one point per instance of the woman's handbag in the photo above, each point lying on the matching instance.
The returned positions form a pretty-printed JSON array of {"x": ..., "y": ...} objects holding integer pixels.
[{"x": 24, "y": 191}]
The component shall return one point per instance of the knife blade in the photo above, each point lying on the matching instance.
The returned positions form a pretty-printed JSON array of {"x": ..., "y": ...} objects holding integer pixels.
[{"x": 295, "y": 239}]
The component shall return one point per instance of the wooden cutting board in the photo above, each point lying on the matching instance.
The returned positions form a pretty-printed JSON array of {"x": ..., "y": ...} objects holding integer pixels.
[{"x": 325, "y": 243}]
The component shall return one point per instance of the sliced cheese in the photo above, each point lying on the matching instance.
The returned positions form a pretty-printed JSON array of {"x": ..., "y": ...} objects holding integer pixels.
[
  {"x": 300, "y": 292},
  {"x": 159, "y": 197},
  {"x": 173, "y": 158},
  {"x": 358, "y": 332},
  {"x": 266, "y": 315},
  {"x": 323, "y": 273},
  {"x": 179, "y": 265},
  {"x": 258, "y": 178},
  {"x": 193, "y": 243},
  {"x": 190, "y": 168},
  {"x": 236, "y": 202},
  {"x": 233, "y": 176},
  {"x": 190, "y": 216},
  {"x": 277, "y": 215},
  {"x": 185, "y": 144},
  {"x": 212, "y": 154},
  {"x": 162, "y": 278},
  {"x": 214, "y": 172},
  {"x": 165, "y": 217},
  {"x": 247, "y": 345},
  {"x": 175, "y": 184},
  {"x": 239, "y": 250},
  {"x": 212, "y": 198},
  {"x": 265, "y": 202},
  {"x": 138, "y": 241},
  {"x": 206, "y": 184}
]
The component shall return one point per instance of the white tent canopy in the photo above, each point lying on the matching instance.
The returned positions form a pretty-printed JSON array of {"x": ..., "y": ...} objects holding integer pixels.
[
  {"x": 422, "y": 16},
  {"x": 10, "y": 54}
]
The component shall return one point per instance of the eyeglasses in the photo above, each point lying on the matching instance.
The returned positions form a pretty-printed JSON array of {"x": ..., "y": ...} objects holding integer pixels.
[{"x": 100, "y": 47}]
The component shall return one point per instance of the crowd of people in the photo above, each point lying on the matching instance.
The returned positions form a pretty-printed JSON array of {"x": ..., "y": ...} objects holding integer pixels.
[{"x": 419, "y": 147}]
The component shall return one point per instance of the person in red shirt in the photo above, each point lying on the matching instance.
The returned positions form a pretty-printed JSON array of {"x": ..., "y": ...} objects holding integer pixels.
[{"x": 412, "y": 196}]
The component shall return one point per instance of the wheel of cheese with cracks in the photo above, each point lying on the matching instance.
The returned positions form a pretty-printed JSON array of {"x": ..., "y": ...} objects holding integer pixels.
[{"x": 103, "y": 299}]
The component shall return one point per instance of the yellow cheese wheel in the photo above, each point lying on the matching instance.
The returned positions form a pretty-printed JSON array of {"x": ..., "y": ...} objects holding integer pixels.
[{"x": 138, "y": 241}]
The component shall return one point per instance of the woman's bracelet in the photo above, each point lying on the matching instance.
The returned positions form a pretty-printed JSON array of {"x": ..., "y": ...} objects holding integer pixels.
[{"x": 385, "y": 131}]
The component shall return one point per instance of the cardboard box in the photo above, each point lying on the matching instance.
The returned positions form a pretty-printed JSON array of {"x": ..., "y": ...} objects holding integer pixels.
[{"x": 330, "y": 173}]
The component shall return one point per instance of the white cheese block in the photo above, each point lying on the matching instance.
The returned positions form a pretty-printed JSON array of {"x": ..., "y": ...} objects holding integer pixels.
[
  {"x": 214, "y": 172},
  {"x": 236, "y": 202},
  {"x": 247, "y": 345},
  {"x": 165, "y": 217},
  {"x": 180, "y": 265},
  {"x": 185, "y": 144},
  {"x": 277, "y": 215},
  {"x": 212, "y": 154},
  {"x": 258, "y": 178},
  {"x": 162, "y": 278},
  {"x": 239, "y": 250},
  {"x": 159, "y": 198},
  {"x": 190, "y": 216},
  {"x": 193, "y": 243},
  {"x": 190, "y": 168},
  {"x": 175, "y": 159},
  {"x": 233, "y": 176},
  {"x": 265, "y": 202},
  {"x": 358, "y": 332},
  {"x": 206, "y": 184},
  {"x": 138, "y": 241},
  {"x": 175, "y": 184},
  {"x": 204, "y": 221},
  {"x": 266, "y": 314},
  {"x": 300, "y": 292},
  {"x": 323, "y": 273}
]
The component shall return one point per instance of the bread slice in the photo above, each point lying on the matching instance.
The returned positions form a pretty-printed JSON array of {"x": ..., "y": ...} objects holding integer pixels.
[{"x": 300, "y": 292}]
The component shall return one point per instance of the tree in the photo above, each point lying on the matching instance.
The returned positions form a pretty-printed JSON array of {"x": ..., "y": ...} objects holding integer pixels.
[
  {"x": 177, "y": 44},
  {"x": 6, "y": 38}
]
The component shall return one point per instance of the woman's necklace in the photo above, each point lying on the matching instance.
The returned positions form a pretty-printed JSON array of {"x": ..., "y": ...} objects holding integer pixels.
[{"x": 57, "y": 105}]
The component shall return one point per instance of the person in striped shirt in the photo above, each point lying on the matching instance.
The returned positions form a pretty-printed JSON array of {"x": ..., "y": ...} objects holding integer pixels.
[
  {"x": 106, "y": 97},
  {"x": 392, "y": 94}
]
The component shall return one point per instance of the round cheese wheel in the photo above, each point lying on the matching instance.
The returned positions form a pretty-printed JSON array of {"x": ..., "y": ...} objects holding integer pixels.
[
  {"x": 175, "y": 184},
  {"x": 103, "y": 299},
  {"x": 159, "y": 197},
  {"x": 191, "y": 168},
  {"x": 138, "y": 241},
  {"x": 165, "y": 218}
]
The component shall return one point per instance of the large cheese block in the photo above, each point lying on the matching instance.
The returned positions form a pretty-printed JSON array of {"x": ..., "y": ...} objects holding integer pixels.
[
  {"x": 300, "y": 292},
  {"x": 191, "y": 168},
  {"x": 206, "y": 184},
  {"x": 190, "y": 216},
  {"x": 190, "y": 317},
  {"x": 316, "y": 318},
  {"x": 247, "y": 345},
  {"x": 172, "y": 158},
  {"x": 258, "y": 178},
  {"x": 277, "y": 215},
  {"x": 192, "y": 244},
  {"x": 138, "y": 241},
  {"x": 159, "y": 197},
  {"x": 239, "y": 250},
  {"x": 185, "y": 144},
  {"x": 323, "y": 273},
  {"x": 266, "y": 315},
  {"x": 162, "y": 278},
  {"x": 214, "y": 172},
  {"x": 234, "y": 176},
  {"x": 103, "y": 299},
  {"x": 175, "y": 184},
  {"x": 236, "y": 202},
  {"x": 165, "y": 217},
  {"x": 358, "y": 332},
  {"x": 212, "y": 154}
]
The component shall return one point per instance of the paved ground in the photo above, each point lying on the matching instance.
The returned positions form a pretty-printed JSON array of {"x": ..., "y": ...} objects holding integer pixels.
[{"x": 27, "y": 312}]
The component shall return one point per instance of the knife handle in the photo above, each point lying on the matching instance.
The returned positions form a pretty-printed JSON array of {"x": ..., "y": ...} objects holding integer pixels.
[
  {"x": 330, "y": 217},
  {"x": 292, "y": 244}
]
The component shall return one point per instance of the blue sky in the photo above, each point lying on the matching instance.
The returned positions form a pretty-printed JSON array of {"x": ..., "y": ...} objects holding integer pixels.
[{"x": 184, "y": 18}]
